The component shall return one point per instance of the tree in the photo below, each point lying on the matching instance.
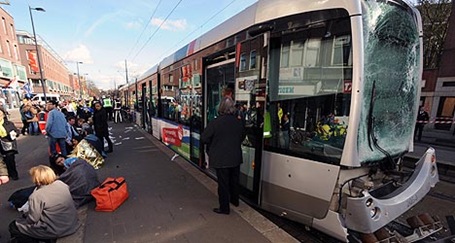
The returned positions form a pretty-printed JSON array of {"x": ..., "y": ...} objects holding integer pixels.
[
  {"x": 92, "y": 89},
  {"x": 435, "y": 16}
]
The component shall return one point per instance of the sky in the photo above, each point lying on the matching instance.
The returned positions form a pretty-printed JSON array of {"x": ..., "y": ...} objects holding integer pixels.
[{"x": 104, "y": 33}]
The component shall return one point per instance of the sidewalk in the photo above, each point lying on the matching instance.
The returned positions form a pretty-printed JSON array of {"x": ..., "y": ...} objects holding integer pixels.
[
  {"x": 444, "y": 144},
  {"x": 168, "y": 201}
]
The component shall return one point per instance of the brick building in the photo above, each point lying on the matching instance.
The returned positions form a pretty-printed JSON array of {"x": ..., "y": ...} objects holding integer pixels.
[
  {"x": 13, "y": 73},
  {"x": 55, "y": 73},
  {"x": 438, "y": 85}
]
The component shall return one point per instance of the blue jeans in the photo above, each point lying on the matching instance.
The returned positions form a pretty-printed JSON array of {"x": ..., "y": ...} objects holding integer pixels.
[
  {"x": 33, "y": 128},
  {"x": 61, "y": 143}
]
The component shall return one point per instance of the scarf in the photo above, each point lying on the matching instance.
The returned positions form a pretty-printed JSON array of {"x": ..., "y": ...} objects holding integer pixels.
[{"x": 3, "y": 132}]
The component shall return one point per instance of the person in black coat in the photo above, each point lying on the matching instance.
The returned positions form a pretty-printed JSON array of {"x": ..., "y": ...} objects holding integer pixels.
[
  {"x": 8, "y": 148},
  {"x": 422, "y": 119},
  {"x": 224, "y": 137},
  {"x": 101, "y": 127}
]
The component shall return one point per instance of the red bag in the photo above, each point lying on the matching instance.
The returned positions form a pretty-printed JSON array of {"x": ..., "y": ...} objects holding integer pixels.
[{"x": 110, "y": 194}]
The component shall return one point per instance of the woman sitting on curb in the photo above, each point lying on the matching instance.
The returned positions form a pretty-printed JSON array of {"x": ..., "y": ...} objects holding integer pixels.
[{"x": 51, "y": 214}]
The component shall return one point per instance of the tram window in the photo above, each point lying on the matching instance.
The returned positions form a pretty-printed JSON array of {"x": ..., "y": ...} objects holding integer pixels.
[
  {"x": 312, "y": 128},
  {"x": 311, "y": 63},
  {"x": 308, "y": 108},
  {"x": 253, "y": 60}
]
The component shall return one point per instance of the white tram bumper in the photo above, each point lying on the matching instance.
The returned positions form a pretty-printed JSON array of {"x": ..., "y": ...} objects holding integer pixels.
[{"x": 367, "y": 214}]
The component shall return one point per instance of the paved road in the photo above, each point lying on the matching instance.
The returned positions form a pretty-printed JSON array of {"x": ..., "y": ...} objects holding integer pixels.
[{"x": 169, "y": 200}]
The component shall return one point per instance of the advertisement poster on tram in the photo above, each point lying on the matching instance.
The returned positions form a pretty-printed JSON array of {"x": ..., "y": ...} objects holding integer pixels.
[{"x": 176, "y": 137}]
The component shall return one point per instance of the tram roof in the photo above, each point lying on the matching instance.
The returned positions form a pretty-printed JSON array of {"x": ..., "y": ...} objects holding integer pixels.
[
  {"x": 149, "y": 72},
  {"x": 259, "y": 12}
]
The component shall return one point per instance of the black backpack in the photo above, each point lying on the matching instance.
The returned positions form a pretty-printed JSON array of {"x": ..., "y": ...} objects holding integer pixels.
[{"x": 20, "y": 197}]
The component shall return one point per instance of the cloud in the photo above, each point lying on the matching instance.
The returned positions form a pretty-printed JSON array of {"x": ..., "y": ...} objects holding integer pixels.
[
  {"x": 79, "y": 54},
  {"x": 174, "y": 25},
  {"x": 132, "y": 25}
]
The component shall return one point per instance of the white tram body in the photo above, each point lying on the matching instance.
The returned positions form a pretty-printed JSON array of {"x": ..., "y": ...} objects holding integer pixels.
[{"x": 345, "y": 73}]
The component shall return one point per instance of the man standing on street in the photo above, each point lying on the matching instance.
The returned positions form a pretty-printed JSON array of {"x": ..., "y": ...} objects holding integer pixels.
[
  {"x": 107, "y": 104},
  {"x": 422, "y": 119},
  {"x": 100, "y": 124},
  {"x": 56, "y": 128}
]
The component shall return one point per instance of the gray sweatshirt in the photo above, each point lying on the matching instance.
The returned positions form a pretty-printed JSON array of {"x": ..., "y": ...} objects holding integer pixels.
[{"x": 52, "y": 213}]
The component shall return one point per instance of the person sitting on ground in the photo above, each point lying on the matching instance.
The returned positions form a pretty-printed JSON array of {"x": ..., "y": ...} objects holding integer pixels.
[
  {"x": 94, "y": 141},
  {"x": 71, "y": 133},
  {"x": 83, "y": 149},
  {"x": 51, "y": 214},
  {"x": 80, "y": 176}
]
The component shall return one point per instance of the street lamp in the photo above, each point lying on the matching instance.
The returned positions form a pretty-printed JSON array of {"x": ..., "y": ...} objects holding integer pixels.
[
  {"x": 79, "y": 79},
  {"x": 36, "y": 47}
]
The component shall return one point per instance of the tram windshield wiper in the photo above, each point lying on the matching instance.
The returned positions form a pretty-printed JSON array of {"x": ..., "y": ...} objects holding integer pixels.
[{"x": 370, "y": 132}]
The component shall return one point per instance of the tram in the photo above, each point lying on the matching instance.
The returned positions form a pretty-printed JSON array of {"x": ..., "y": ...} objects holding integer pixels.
[{"x": 328, "y": 92}]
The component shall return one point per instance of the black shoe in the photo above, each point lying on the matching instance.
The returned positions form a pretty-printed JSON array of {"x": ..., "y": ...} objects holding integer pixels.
[
  {"x": 219, "y": 211},
  {"x": 14, "y": 178},
  {"x": 235, "y": 203},
  {"x": 110, "y": 151}
]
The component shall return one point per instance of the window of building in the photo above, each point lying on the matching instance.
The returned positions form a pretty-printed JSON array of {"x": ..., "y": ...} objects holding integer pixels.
[
  {"x": 11, "y": 28},
  {"x": 1, "y": 48},
  {"x": 253, "y": 59},
  {"x": 4, "y": 25},
  {"x": 16, "y": 55},
  {"x": 296, "y": 53},
  {"x": 171, "y": 78},
  {"x": 312, "y": 52},
  {"x": 448, "y": 84},
  {"x": 342, "y": 52},
  {"x": 8, "y": 47},
  {"x": 242, "y": 62}
]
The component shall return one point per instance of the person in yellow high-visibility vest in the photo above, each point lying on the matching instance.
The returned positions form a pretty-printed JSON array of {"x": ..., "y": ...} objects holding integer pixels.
[{"x": 107, "y": 104}]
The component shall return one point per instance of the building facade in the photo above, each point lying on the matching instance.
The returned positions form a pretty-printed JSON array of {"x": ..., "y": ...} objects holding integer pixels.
[
  {"x": 438, "y": 85},
  {"x": 13, "y": 74},
  {"x": 56, "y": 75}
]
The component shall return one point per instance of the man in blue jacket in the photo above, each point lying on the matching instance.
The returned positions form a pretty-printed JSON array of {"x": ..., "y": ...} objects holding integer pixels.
[{"x": 56, "y": 128}]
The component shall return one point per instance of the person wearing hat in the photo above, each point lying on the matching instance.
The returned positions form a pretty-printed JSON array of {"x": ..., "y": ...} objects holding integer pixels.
[{"x": 56, "y": 128}]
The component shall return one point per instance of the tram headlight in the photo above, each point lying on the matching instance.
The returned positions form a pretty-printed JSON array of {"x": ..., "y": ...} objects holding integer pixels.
[
  {"x": 374, "y": 212},
  {"x": 369, "y": 202}
]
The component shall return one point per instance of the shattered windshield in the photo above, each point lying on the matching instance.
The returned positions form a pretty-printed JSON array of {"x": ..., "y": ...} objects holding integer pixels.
[{"x": 391, "y": 81}]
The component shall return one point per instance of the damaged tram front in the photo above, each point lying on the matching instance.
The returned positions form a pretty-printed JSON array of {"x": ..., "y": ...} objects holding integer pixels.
[{"x": 347, "y": 81}]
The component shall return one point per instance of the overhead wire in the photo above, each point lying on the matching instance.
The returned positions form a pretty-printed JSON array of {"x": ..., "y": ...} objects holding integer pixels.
[
  {"x": 192, "y": 32},
  {"x": 164, "y": 21},
  {"x": 146, "y": 26}
]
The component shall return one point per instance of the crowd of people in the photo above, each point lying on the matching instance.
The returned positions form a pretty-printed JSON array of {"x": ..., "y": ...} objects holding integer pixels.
[{"x": 75, "y": 132}]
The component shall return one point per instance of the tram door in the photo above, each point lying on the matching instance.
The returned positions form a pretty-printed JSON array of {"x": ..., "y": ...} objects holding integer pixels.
[{"x": 220, "y": 76}]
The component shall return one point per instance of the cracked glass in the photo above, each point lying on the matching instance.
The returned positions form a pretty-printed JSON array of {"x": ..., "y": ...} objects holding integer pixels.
[{"x": 391, "y": 81}]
